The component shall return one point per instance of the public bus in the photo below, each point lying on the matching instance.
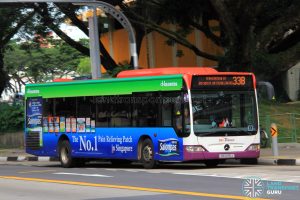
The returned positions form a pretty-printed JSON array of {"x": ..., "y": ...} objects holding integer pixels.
[{"x": 152, "y": 116}]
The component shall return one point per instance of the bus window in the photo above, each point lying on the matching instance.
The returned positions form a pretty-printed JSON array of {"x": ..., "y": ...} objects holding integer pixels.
[
  {"x": 145, "y": 110},
  {"x": 85, "y": 107},
  {"x": 121, "y": 112},
  {"x": 102, "y": 111},
  {"x": 166, "y": 114},
  {"x": 65, "y": 107},
  {"x": 48, "y": 105}
]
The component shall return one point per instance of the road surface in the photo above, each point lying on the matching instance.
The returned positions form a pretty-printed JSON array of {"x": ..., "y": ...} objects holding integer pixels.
[{"x": 47, "y": 180}]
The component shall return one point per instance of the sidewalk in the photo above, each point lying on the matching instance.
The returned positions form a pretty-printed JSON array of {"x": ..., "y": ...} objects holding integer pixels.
[{"x": 289, "y": 154}]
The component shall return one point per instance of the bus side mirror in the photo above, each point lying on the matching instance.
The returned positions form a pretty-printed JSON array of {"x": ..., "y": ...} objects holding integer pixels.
[{"x": 265, "y": 89}]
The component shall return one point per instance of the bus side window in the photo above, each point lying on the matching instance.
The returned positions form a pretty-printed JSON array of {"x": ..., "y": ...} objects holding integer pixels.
[
  {"x": 85, "y": 107},
  {"x": 65, "y": 107},
  {"x": 166, "y": 114},
  {"x": 48, "y": 107},
  {"x": 145, "y": 110},
  {"x": 102, "y": 111},
  {"x": 121, "y": 112}
]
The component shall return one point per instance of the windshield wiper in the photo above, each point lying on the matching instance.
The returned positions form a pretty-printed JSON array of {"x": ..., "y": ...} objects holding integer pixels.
[
  {"x": 206, "y": 133},
  {"x": 239, "y": 130}
]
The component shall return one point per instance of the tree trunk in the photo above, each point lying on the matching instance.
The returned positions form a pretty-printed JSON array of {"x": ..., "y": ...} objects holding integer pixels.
[{"x": 3, "y": 75}]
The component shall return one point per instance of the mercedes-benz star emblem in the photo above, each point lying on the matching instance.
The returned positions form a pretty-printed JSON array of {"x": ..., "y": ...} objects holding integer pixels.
[{"x": 226, "y": 147}]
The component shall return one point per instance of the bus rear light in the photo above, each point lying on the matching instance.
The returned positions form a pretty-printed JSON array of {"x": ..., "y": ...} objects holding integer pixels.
[
  {"x": 194, "y": 148},
  {"x": 253, "y": 147}
]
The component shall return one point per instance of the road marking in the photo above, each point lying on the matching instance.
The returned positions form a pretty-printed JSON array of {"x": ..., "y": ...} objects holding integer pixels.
[
  {"x": 130, "y": 170},
  {"x": 177, "y": 192},
  {"x": 36, "y": 171},
  {"x": 234, "y": 176},
  {"x": 76, "y": 174}
]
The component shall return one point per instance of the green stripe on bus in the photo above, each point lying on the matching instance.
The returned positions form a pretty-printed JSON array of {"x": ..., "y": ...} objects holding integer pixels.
[{"x": 118, "y": 86}]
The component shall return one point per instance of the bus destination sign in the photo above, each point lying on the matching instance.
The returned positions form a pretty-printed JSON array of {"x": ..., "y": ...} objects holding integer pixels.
[{"x": 222, "y": 81}]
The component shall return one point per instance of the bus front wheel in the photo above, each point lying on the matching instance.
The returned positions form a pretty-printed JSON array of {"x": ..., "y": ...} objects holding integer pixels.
[
  {"x": 65, "y": 157},
  {"x": 147, "y": 154}
]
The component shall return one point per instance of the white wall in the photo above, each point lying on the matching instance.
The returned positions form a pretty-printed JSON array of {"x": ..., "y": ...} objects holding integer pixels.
[{"x": 291, "y": 82}]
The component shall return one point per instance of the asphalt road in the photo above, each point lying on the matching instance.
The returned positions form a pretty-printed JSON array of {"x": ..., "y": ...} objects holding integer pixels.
[{"x": 47, "y": 180}]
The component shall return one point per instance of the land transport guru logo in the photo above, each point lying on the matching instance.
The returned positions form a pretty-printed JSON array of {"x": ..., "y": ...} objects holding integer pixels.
[{"x": 254, "y": 187}]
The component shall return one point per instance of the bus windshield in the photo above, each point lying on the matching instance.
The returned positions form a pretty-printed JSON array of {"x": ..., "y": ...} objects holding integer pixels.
[{"x": 224, "y": 113}]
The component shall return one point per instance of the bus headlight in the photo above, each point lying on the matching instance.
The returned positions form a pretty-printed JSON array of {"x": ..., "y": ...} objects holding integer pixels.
[
  {"x": 194, "y": 148},
  {"x": 253, "y": 147}
]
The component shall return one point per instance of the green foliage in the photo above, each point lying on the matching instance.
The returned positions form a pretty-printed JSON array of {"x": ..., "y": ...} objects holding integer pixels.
[
  {"x": 11, "y": 118},
  {"x": 119, "y": 68},
  {"x": 84, "y": 67},
  {"x": 269, "y": 65},
  {"x": 41, "y": 64}
]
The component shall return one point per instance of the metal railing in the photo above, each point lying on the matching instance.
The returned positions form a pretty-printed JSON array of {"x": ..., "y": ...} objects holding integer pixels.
[{"x": 288, "y": 126}]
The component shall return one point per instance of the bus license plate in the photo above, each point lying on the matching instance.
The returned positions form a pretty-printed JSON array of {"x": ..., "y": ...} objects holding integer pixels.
[{"x": 226, "y": 156}]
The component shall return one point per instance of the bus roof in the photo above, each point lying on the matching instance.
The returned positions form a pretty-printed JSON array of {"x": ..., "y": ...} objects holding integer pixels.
[
  {"x": 127, "y": 82},
  {"x": 187, "y": 73},
  {"x": 116, "y": 86}
]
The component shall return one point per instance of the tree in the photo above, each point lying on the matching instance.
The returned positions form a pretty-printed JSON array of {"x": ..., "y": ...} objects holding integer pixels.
[
  {"x": 27, "y": 61},
  {"x": 15, "y": 17},
  {"x": 40, "y": 18},
  {"x": 84, "y": 67},
  {"x": 53, "y": 16},
  {"x": 259, "y": 36}
]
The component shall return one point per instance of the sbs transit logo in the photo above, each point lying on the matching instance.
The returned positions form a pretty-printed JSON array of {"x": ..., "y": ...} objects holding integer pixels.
[{"x": 168, "y": 84}]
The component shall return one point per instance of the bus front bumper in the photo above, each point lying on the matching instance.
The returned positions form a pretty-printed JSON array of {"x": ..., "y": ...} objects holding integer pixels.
[{"x": 189, "y": 156}]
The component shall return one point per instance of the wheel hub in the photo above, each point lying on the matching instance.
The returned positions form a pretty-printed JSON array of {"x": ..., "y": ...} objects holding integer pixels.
[
  {"x": 64, "y": 155},
  {"x": 147, "y": 153}
]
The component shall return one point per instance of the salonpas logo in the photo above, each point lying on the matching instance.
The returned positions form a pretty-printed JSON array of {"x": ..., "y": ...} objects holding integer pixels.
[
  {"x": 168, "y": 147},
  {"x": 168, "y": 84},
  {"x": 29, "y": 91}
]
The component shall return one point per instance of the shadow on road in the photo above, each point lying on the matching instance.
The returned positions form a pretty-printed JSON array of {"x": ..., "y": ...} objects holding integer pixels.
[{"x": 135, "y": 165}]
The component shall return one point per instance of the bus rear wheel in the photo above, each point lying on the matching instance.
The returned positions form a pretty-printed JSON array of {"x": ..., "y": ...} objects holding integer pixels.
[
  {"x": 65, "y": 157},
  {"x": 147, "y": 154}
]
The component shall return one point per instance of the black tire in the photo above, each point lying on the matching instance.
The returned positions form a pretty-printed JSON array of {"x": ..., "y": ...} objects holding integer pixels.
[
  {"x": 249, "y": 161},
  {"x": 147, "y": 154},
  {"x": 211, "y": 163},
  {"x": 65, "y": 156}
]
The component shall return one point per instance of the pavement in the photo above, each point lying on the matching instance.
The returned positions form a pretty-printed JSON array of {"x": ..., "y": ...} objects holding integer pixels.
[{"x": 289, "y": 154}]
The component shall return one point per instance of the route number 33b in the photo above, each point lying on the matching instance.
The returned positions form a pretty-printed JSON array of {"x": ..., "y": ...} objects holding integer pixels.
[{"x": 239, "y": 80}]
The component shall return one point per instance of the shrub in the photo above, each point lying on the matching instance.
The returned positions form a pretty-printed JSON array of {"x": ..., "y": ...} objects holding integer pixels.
[{"x": 11, "y": 117}]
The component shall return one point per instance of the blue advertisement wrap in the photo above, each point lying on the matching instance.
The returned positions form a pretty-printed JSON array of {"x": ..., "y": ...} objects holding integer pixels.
[
  {"x": 116, "y": 143},
  {"x": 34, "y": 113}
]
